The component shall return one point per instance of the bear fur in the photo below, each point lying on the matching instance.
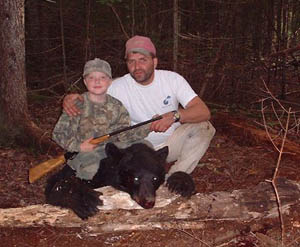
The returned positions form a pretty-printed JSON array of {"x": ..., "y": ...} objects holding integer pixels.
[{"x": 138, "y": 170}]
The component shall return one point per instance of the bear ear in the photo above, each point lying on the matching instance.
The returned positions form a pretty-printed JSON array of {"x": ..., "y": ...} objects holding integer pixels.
[
  {"x": 162, "y": 153},
  {"x": 112, "y": 150}
]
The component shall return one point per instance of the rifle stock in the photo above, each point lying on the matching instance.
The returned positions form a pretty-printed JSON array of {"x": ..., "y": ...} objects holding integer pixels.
[{"x": 43, "y": 168}]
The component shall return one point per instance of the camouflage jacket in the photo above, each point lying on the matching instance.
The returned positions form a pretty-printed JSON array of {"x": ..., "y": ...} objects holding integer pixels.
[{"x": 96, "y": 119}]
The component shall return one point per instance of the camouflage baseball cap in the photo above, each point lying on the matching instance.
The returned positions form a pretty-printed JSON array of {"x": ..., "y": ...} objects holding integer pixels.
[{"x": 97, "y": 65}]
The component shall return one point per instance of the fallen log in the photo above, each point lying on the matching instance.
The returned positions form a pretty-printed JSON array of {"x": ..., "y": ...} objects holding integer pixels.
[
  {"x": 172, "y": 212},
  {"x": 252, "y": 134}
]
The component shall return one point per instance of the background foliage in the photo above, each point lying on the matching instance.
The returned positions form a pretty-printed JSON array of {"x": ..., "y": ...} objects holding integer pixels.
[{"x": 223, "y": 46}]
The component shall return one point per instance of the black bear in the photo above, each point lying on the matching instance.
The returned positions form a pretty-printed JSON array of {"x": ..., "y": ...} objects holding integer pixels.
[{"x": 137, "y": 170}]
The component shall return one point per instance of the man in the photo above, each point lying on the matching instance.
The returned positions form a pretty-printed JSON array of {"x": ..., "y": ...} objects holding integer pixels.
[{"x": 146, "y": 92}]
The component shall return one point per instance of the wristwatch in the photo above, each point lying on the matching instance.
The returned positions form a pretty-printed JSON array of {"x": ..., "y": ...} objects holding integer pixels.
[{"x": 176, "y": 116}]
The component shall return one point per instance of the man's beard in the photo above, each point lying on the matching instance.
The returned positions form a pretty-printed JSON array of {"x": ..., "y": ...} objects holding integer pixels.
[{"x": 144, "y": 78}]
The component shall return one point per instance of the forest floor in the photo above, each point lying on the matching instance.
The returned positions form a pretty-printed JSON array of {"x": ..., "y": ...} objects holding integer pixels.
[{"x": 231, "y": 163}]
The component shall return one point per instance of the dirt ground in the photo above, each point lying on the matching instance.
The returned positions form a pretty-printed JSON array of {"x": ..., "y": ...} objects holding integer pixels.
[{"x": 230, "y": 163}]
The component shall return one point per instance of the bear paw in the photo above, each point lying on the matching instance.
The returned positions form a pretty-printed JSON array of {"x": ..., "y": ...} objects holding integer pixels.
[
  {"x": 181, "y": 183},
  {"x": 73, "y": 193}
]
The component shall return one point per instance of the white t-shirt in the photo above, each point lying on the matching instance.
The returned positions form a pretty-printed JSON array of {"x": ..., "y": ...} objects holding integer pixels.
[{"x": 163, "y": 95}]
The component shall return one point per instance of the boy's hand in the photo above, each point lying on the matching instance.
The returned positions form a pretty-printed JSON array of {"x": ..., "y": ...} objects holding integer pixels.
[
  {"x": 86, "y": 146},
  {"x": 69, "y": 104}
]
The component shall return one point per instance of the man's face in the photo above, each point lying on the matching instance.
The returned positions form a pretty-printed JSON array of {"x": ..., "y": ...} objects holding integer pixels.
[{"x": 141, "y": 67}]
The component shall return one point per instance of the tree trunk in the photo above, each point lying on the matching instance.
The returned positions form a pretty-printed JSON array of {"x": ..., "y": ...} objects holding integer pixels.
[
  {"x": 270, "y": 27},
  {"x": 62, "y": 36},
  {"x": 13, "y": 100},
  {"x": 38, "y": 39},
  {"x": 13, "y": 97},
  {"x": 176, "y": 24}
]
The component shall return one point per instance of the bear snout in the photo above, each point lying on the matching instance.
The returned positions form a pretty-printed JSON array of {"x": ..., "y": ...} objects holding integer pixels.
[
  {"x": 145, "y": 202},
  {"x": 145, "y": 195}
]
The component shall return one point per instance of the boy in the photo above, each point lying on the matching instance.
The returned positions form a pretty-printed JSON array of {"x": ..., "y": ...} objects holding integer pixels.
[{"x": 101, "y": 114}]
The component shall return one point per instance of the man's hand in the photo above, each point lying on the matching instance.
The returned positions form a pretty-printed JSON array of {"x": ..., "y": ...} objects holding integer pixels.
[
  {"x": 163, "y": 124},
  {"x": 69, "y": 104}
]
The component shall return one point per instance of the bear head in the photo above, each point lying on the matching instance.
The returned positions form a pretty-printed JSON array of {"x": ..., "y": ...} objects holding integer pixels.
[{"x": 139, "y": 171}]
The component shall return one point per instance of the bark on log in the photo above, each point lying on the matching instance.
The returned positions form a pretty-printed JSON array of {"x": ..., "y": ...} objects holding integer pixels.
[
  {"x": 239, "y": 205},
  {"x": 248, "y": 132}
]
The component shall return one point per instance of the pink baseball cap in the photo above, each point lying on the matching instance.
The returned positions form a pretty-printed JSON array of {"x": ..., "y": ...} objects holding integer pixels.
[{"x": 140, "y": 44}]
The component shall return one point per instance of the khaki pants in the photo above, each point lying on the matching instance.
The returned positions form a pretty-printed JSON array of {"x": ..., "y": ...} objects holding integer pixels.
[{"x": 188, "y": 144}]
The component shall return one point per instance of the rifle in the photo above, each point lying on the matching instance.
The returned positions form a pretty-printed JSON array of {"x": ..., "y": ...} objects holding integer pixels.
[{"x": 43, "y": 168}]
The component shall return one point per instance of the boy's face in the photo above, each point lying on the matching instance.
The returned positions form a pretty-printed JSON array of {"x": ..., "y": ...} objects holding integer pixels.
[{"x": 97, "y": 82}]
